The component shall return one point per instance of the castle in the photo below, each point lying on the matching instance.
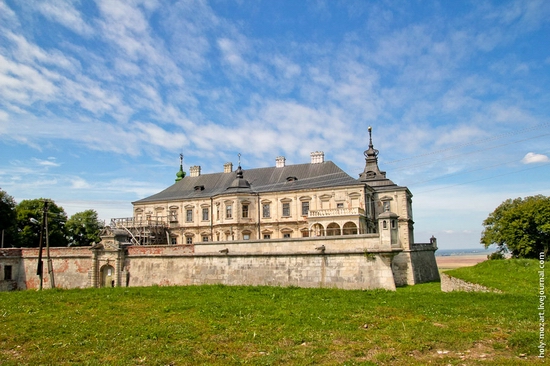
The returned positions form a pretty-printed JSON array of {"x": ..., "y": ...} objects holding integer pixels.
[{"x": 309, "y": 225}]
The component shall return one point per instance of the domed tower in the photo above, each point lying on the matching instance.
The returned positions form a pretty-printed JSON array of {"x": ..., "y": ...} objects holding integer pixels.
[
  {"x": 181, "y": 174},
  {"x": 239, "y": 182}
]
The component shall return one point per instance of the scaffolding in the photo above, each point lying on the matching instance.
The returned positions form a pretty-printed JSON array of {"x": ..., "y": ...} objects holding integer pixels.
[{"x": 152, "y": 231}]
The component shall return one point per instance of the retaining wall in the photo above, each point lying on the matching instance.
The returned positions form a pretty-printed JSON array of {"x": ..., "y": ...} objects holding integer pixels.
[
  {"x": 449, "y": 284},
  {"x": 347, "y": 262}
]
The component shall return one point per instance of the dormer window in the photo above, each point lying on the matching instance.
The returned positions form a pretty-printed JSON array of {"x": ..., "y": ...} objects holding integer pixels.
[
  {"x": 291, "y": 179},
  {"x": 199, "y": 188}
]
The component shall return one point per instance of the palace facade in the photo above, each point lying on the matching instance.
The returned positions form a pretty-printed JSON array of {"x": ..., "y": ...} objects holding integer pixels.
[
  {"x": 306, "y": 225},
  {"x": 280, "y": 202}
]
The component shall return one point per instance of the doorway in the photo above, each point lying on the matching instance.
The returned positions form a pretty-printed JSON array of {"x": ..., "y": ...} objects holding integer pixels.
[{"x": 107, "y": 274}]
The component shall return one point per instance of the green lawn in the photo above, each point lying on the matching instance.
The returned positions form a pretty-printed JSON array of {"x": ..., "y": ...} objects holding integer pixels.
[{"x": 272, "y": 325}]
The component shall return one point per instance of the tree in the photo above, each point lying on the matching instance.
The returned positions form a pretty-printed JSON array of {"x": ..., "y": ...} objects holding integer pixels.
[
  {"x": 520, "y": 226},
  {"x": 29, "y": 232},
  {"x": 83, "y": 228},
  {"x": 8, "y": 221}
]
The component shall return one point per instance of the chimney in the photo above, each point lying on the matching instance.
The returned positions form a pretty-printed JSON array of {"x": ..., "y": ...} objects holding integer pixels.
[
  {"x": 227, "y": 167},
  {"x": 280, "y": 161},
  {"x": 195, "y": 171},
  {"x": 317, "y": 157}
]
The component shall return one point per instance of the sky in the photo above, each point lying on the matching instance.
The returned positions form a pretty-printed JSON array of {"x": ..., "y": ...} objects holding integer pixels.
[{"x": 99, "y": 98}]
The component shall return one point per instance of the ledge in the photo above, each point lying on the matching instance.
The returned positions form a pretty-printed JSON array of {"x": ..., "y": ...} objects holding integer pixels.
[{"x": 449, "y": 284}]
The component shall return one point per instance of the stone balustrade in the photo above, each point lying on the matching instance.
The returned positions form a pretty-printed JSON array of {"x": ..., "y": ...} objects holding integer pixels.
[{"x": 336, "y": 212}]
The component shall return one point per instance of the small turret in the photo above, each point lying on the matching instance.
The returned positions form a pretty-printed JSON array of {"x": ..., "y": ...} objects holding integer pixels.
[
  {"x": 372, "y": 173},
  {"x": 239, "y": 181},
  {"x": 181, "y": 174}
]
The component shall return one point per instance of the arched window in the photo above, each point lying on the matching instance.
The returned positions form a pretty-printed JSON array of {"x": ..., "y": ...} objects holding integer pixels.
[
  {"x": 350, "y": 228},
  {"x": 317, "y": 230},
  {"x": 333, "y": 229}
]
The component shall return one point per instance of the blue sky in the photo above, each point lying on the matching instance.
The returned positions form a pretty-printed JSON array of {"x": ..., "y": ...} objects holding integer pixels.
[{"x": 98, "y": 99}]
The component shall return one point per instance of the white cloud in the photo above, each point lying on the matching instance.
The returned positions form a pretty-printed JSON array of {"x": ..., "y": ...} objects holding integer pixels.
[
  {"x": 50, "y": 162},
  {"x": 79, "y": 183},
  {"x": 64, "y": 12},
  {"x": 533, "y": 158}
]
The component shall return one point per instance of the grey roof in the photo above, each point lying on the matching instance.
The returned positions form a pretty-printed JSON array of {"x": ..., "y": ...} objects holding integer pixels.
[{"x": 271, "y": 179}]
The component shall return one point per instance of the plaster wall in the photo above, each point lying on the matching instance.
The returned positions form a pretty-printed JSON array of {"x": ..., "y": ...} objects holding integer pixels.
[{"x": 71, "y": 268}]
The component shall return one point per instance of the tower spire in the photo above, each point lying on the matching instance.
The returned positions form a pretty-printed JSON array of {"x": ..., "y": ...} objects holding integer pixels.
[
  {"x": 371, "y": 171},
  {"x": 239, "y": 169}
]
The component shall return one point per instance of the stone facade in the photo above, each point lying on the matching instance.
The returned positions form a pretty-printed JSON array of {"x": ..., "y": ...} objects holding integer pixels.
[{"x": 308, "y": 225}]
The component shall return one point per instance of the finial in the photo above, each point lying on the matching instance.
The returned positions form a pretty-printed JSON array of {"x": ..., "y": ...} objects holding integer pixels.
[
  {"x": 371, "y": 151},
  {"x": 181, "y": 159},
  {"x": 239, "y": 159}
]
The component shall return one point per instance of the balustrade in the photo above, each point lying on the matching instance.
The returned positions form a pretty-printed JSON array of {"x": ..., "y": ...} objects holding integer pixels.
[{"x": 337, "y": 212}]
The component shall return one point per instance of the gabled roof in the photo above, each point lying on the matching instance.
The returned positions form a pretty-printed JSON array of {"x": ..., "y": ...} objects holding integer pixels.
[{"x": 272, "y": 179}]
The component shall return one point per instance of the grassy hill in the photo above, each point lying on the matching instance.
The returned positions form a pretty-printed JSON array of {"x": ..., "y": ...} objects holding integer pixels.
[
  {"x": 221, "y": 325},
  {"x": 518, "y": 276}
]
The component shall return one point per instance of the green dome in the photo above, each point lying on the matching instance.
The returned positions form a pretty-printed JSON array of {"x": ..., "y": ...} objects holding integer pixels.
[{"x": 180, "y": 175}]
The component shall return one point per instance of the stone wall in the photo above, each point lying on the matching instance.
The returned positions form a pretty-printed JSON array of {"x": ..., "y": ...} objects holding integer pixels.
[
  {"x": 71, "y": 267},
  {"x": 417, "y": 265},
  {"x": 424, "y": 264},
  {"x": 347, "y": 262},
  {"x": 449, "y": 284},
  {"x": 346, "y": 271},
  {"x": 339, "y": 262},
  {"x": 9, "y": 259}
]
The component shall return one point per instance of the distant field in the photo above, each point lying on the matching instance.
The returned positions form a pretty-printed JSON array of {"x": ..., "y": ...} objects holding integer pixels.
[
  {"x": 457, "y": 261},
  {"x": 221, "y": 325}
]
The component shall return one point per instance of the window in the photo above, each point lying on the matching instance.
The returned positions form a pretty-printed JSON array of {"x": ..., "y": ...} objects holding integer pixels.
[
  {"x": 265, "y": 210},
  {"x": 339, "y": 205},
  {"x": 204, "y": 238},
  {"x": 246, "y": 236},
  {"x": 189, "y": 215},
  {"x": 386, "y": 206},
  {"x": 228, "y": 211},
  {"x": 267, "y": 236},
  {"x": 245, "y": 211},
  {"x": 205, "y": 214},
  {"x": 305, "y": 208},
  {"x": 286, "y": 209},
  {"x": 384, "y": 224},
  {"x": 7, "y": 273},
  {"x": 218, "y": 212},
  {"x": 189, "y": 240},
  {"x": 174, "y": 241},
  {"x": 393, "y": 224},
  {"x": 305, "y": 233},
  {"x": 173, "y": 216},
  {"x": 286, "y": 235}
]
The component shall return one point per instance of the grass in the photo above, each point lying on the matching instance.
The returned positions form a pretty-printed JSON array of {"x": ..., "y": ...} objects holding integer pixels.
[
  {"x": 221, "y": 325},
  {"x": 518, "y": 276}
]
